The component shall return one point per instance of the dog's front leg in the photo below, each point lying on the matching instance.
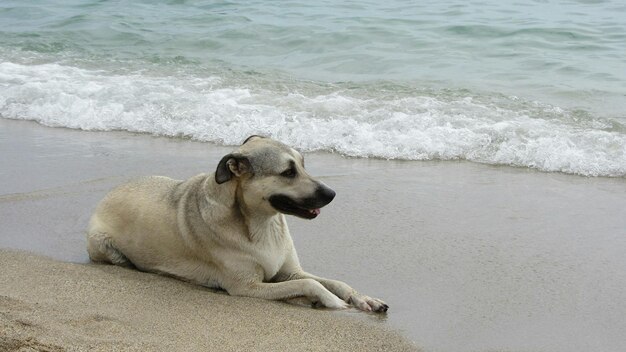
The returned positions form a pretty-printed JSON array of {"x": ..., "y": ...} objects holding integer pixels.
[
  {"x": 292, "y": 271},
  {"x": 345, "y": 292},
  {"x": 309, "y": 288}
]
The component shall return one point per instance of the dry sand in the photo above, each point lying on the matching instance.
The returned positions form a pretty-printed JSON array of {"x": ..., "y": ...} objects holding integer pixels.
[{"x": 46, "y": 305}]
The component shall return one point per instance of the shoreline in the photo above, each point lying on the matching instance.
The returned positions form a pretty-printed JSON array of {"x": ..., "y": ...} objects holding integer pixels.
[
  {"x": 53, "y": 299},
  {"x": 470, "y": 257}
]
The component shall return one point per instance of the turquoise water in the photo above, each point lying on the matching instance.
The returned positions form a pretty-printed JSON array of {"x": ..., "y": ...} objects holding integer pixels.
[{"x": 535, "y": 84}]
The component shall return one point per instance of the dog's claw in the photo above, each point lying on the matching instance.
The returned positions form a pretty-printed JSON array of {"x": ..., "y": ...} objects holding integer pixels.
[
  {"x": 368, "y": 304},
  {"x": 383, "y": 308}
]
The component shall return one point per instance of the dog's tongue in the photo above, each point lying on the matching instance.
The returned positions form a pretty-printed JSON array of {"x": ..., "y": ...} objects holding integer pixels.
[{"x": 315, "y": 211}]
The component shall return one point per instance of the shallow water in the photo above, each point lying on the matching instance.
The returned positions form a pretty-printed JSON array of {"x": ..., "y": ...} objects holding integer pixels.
[{"x": 530, "y": 84}]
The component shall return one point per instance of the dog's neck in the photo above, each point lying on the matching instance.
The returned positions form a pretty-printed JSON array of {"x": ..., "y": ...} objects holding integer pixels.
[{"x": 258, "y": 225}]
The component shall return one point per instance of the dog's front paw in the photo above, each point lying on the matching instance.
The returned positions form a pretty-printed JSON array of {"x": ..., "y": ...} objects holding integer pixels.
[
  {"x": 331, "y": 301},
  {"x": 367, "y": 303}
]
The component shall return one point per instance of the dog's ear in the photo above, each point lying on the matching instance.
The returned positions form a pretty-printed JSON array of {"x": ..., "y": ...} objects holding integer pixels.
[{"x": 233, "y": 164}]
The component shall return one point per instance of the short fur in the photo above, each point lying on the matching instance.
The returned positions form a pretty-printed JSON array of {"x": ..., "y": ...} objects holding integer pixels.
[{"x": 224, "y": 229}]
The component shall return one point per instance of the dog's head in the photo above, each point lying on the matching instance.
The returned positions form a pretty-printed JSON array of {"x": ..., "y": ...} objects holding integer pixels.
[{"x": 271, "y": 178}]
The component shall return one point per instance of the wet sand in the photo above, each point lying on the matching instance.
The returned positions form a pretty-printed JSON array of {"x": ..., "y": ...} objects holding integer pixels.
[{"x": 470, "y": 257}]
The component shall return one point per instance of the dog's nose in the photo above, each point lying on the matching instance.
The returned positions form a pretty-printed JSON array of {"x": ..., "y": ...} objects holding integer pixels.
[{"x": 325, "y": 194}]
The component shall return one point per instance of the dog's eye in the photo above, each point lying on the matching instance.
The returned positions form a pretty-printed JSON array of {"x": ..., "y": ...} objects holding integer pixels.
[{"x": 291, "y": 173}]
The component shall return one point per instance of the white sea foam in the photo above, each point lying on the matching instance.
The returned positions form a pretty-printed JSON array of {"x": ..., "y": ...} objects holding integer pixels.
[{"x": 416, "y": 126}]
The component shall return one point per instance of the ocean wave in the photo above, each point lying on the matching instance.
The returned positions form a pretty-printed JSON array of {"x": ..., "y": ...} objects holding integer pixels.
[{"x": 371, "y": 120}]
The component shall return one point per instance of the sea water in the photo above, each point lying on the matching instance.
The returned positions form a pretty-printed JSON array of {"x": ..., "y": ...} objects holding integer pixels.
[{"x": 536, "y": 84}]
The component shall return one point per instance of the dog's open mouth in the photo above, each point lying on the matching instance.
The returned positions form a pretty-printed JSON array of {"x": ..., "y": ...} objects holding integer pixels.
[{"x": 307, "y": 209}]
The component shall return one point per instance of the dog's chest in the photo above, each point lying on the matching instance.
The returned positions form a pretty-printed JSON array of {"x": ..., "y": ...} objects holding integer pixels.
[
  {"x": 270, "y": 255},
  {"x": 269, "y": 247}
]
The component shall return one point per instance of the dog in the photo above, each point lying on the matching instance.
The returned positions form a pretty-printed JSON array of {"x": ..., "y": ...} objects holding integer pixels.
[{"x": 224, "y": 230}]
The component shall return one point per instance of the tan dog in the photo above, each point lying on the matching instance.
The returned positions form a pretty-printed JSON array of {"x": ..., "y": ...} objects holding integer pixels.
[{"x": 225, "y": 229}]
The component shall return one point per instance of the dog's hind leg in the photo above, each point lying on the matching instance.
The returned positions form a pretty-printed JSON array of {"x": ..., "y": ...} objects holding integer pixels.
[{"x": 101, "y": 249}]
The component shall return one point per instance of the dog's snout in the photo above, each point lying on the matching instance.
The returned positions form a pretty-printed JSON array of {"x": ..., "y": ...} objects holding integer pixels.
[{"x": 325, "y": 194}]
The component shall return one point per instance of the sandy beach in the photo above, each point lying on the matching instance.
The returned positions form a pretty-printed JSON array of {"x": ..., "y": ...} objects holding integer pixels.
[
  {"x": 47, "y": 305},
  {"x": 469, "y": 257}
]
